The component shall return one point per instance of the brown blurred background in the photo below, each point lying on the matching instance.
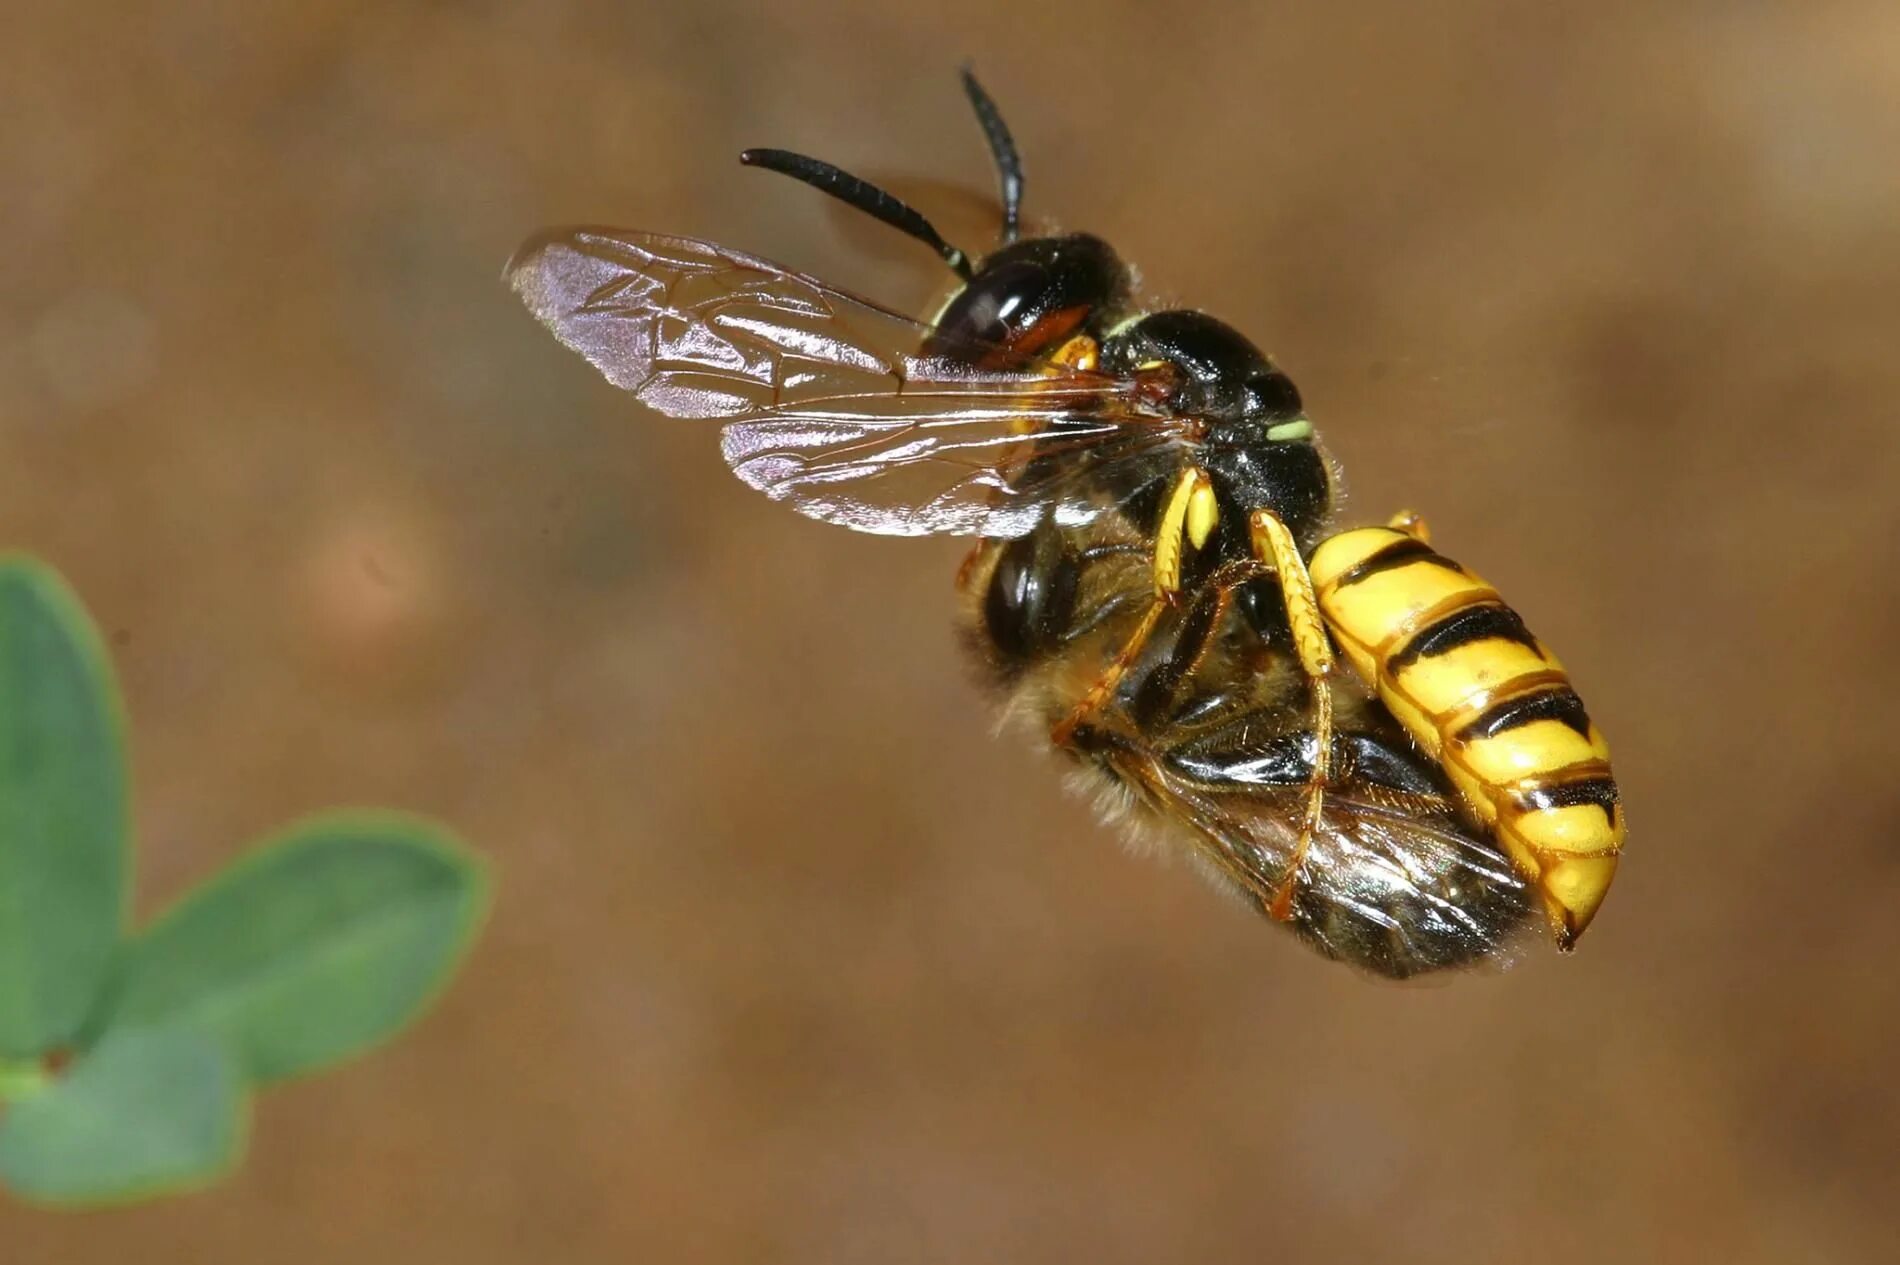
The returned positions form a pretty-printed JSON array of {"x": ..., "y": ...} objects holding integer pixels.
[{"x": 792, "y": 961}]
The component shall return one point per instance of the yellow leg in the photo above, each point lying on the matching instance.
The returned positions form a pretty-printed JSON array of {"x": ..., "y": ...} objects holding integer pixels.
[
  {"x": 1274, "y": 545},
  {"x": 1412, "y": 523},
  {"x": 1063, "y": 735},
  {"x": 1187, "y": 519},
  {"x": 1080, "y": 352}
]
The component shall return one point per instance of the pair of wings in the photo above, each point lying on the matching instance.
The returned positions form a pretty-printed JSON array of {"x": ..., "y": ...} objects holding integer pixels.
[{"x": 828, "y": 403}]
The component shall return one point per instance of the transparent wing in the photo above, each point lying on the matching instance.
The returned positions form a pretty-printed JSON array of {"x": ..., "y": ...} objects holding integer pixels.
[
  {"x": 830, "y": 404},
  {"x": 1394, "y": 881}
]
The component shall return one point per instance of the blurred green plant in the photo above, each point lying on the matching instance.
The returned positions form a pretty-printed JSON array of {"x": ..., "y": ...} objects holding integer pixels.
[{"x": 127, "y": 1060}]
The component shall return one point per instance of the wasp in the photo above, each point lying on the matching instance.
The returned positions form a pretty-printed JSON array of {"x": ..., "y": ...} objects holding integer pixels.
[{"x": 1157, "y": 588}]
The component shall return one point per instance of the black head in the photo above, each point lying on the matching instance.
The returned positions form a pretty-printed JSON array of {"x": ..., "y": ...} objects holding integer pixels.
[
  {"x": 1027, "y": 297},
  {"x": 1031, "y": 295}
]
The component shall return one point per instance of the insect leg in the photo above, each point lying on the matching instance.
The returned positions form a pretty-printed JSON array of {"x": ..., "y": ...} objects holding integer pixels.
[
  {"x": 1187, "y": 519},
  {"x": 1412, "y": 523},
  {"x": 1064, "y": 734},
  {"x": 1273, "y": 544},
  {"x": 1158, "y": 697},
  {"x": 1080, "y": 352}
]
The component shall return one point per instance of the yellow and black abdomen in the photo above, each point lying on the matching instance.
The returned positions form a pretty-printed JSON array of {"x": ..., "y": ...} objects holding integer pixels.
[{"x": 1459, "y": 670}]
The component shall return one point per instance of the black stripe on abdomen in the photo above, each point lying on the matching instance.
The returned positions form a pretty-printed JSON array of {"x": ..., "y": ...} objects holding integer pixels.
[
  {"x": 1397, "y": 554},
  {"x": 1599, "y": 789},
  {"x": 1552, "y": 702},
  {"x": 1461, "y": 628}
]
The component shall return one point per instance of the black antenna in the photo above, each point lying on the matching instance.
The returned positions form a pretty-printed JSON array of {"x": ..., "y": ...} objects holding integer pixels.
[
  {"x": 861, "y": 194},
  {"x": 1009, "y": 165}
]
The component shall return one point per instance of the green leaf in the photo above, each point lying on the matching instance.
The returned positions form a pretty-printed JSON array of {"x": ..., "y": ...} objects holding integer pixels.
[
  {"x": 22, "y": 1078},
  {"x": 315, "y": 947},
  {"x": 149, "y": 1111},
  {"x": 64, "y": 828}
]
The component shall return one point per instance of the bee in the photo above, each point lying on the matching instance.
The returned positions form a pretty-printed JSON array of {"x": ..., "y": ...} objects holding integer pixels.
[{"x": 1156, "y": 588}]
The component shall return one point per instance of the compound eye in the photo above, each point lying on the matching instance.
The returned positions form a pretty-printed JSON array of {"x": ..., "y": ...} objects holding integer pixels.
[
  {"x": 1031, "y": 598},
  {"x": 996, "y": 307},
  {"x": 1272, "y": 397}
]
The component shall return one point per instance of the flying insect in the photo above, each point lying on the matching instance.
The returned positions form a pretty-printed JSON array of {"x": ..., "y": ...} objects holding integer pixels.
[{"x": 1157, "y": 588}]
